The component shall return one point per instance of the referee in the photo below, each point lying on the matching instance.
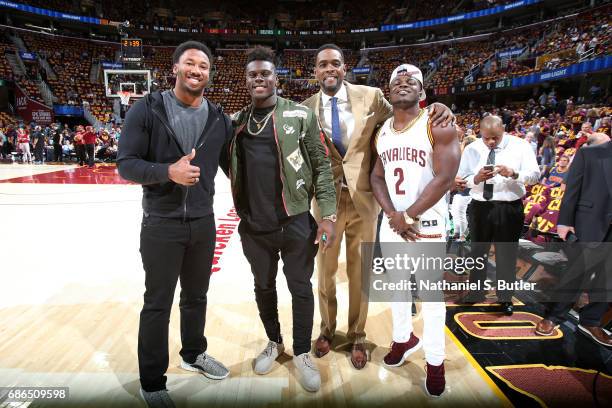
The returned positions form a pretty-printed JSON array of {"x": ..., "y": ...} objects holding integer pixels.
[{"x": 496, "y": 168}]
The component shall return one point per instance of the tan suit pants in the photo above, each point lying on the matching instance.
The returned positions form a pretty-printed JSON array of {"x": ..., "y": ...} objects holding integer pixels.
[{"x": 355, "y": 231}]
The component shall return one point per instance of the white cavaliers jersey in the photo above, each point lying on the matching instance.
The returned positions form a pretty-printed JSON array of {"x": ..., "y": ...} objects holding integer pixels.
[{"x": 407, "y": 159}]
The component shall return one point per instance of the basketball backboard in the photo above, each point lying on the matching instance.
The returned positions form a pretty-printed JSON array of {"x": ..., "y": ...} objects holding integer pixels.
[{"x": 137, "y": 82}]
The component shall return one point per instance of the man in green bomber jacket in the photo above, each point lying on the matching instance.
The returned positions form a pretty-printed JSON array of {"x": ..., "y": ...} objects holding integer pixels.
[{"x": 278, "y": 162}]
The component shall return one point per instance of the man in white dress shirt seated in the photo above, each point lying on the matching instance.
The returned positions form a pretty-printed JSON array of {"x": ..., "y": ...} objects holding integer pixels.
[{"x": 497, "y": 167}]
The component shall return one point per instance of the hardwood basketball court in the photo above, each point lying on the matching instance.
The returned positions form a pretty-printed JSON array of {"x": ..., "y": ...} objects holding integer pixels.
[{"x": 72, "y": 285}]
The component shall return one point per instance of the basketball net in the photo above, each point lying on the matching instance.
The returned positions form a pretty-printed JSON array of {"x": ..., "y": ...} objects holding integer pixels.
[{"x": 125, "y": 97}]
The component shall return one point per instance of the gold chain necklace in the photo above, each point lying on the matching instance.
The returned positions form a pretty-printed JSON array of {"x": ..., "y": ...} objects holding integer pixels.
[
  {"x": 261, "y": 124},
  {"x": 408, "y": 126}
]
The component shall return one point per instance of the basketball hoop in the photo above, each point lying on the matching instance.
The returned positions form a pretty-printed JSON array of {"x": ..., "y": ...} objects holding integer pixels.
[{"x": 125, "y": 97}]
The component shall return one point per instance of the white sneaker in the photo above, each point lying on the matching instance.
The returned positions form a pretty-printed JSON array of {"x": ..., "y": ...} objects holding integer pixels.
[
  {"x": 307, "y": 372},
  {"x": 265, "y": 360}
]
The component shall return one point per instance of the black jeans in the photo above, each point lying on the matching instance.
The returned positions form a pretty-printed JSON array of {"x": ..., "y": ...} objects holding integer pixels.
[
  {"x": 172, "y": 249},
  {"x": 90, "y": 148},
  {"x": 6, "y": 149},
  {"x": 38, "y": 153},
  {"x": 492, "y": 222},
  {"x": 80, "y": 153},
  {"x": 295, "y": 243},
  {"x": 58, "y": 154}
]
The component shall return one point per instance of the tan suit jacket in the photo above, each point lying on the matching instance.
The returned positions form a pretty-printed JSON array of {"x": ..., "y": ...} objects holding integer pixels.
[{"x": 369, "y": 108}]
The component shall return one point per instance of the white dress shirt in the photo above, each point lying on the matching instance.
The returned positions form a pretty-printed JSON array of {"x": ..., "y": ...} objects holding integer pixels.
[
  {"x": 512, "y": 152},
  {"x": 347, "y": 122}
]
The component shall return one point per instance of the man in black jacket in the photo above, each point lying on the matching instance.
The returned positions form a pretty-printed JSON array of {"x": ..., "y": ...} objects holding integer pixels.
[
  {"x": 38, "y": 140},
  {"x": 172, "y": 143},
  {"x": 586, "y": 211}
]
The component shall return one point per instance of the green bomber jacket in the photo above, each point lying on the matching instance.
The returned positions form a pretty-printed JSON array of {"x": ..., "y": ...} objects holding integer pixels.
[{"x": 305, "y": 166}]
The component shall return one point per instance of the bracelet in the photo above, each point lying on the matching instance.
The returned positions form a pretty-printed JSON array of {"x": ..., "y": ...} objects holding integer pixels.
[
  {"x": 331, "y": 218},
  {"x": 430, "y": 236}
]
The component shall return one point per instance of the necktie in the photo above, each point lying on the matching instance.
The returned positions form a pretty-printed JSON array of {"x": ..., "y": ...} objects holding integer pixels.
[
  {"x": 336, "y": 131},
  {"x": 487, "y": 193}
]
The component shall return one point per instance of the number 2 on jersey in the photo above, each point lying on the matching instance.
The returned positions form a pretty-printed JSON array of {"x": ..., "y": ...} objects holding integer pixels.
[{"x": 399, "y": 172}]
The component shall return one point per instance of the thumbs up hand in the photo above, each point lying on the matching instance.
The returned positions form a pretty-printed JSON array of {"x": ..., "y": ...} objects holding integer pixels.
[{"x": 182, "y": 172}]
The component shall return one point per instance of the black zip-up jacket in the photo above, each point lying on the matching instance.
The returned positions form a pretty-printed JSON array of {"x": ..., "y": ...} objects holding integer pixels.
[{"x": 148, "y": 146}]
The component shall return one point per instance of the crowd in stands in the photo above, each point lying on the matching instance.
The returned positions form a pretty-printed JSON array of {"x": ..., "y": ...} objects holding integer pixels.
[
  {"x": 555, "y": 114},
  {"x": 237, "y": 14},
  {"x": 545, "y": 46},
  {"x": 555, "y": 130},
  {"x": 6, "y": 47},
  {"x": 441, "y": 8},
  {"x": 245, "y": 14},
  {"x": 71, "y": 61},
  {"x": 572, "y": 38},
  {"x": 55, "y": 143},
  {"x": 74, "y": 82},
  {"x": 228, "y": 87},
  {"x": 583, "y": 29}
]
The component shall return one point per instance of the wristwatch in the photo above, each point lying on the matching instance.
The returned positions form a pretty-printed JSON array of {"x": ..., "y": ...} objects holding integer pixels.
[
  {"x": 514, "y": 175},
  {"x": 331, "y": 218},
  {"x": 409, "y": 220}
]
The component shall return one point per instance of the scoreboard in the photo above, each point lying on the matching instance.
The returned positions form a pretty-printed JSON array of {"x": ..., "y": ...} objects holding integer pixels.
[{"x": 131, "y": 50}]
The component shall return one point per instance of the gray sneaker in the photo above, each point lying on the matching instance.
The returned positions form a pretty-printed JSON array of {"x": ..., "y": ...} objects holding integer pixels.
[
  {"x": 157, "y": 399},
  {"x": 208, "y": 366},
  {"x": 308, "y": 373},
  {"x": 264, "y": 361}
]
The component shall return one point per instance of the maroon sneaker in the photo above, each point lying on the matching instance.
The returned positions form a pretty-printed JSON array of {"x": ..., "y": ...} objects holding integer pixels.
[
  {"x": 435, "y": 382},
  {"x": 400, "y": 351}
]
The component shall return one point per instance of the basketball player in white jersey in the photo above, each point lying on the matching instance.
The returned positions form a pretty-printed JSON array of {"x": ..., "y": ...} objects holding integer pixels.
[{"x": 415, "y": 168}]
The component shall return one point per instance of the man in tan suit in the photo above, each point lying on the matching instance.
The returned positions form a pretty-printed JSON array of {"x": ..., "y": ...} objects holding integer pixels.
[{"x": 348, "y": 115}]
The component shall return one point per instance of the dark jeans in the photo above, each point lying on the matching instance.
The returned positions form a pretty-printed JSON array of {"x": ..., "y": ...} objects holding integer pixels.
[
  {"x": 90, "y": 149},
  {"x": 7, "y": 148},
  {"x": 172, "y": 249},
  {"x": 58, "y": 153},
  {"x": 38, "y": 153},
  {"x": 80, "y": 153},
  {"x": 295, "y": 243},
  {"x": 492, "y": 222},
  {"x": 590, "y": 260}
]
